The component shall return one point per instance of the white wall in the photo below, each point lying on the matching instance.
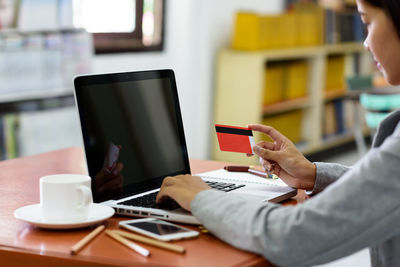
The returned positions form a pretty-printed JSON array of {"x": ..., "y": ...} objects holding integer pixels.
[{"x": 195, "y": 31}]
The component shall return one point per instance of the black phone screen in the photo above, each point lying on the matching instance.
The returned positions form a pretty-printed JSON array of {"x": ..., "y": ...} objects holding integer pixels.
[{"x": 158, "y": 228}]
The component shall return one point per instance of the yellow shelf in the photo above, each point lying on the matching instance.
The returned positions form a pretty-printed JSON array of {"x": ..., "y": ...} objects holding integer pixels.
[
  {"x": 240, "y": 86},
  {"x": 287, "y": 105}
]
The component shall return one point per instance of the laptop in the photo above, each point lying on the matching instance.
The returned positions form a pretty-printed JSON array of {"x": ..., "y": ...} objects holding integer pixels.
[{"x": 133, "y": 138}]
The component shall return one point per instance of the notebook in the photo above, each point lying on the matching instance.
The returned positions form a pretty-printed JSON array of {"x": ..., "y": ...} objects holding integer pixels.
[{"x": 133, "y": 138}]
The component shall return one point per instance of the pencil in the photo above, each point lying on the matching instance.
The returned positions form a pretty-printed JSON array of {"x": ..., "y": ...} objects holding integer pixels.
[
  {"x": 151, "y": 242},
  {"x": 142, "y": 251},
  {"x": 84, "y": 241}
]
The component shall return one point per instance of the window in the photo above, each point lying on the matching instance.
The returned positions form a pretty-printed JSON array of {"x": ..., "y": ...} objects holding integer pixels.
[{"x": 122, "y": 25}]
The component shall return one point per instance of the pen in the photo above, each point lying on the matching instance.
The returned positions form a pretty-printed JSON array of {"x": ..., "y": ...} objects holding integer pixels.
[
  {"x": 237, "y": 168},
  {"x": 84, "y": 241},
  {"x": 242, "y": 168}
]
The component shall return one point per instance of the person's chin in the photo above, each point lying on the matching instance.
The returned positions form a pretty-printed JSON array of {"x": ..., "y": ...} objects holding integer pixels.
[{"x": 392, "y": 79}]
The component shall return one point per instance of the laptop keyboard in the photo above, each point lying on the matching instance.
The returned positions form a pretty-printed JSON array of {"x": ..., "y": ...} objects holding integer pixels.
[
  {"x": 226, "y": 187},
  {"x": 149, "y": 200}
]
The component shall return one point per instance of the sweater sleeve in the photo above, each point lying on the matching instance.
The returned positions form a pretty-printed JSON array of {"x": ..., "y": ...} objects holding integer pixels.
[
  {"x": 359, "y": 210},
  {"x": 327, "y": 173}
]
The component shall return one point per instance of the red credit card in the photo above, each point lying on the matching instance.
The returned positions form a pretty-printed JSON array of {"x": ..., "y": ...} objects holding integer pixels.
[{"x": 235, "y": 139}]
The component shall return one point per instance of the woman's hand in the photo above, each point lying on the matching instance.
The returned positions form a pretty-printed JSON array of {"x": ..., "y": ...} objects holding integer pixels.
[
  {"x": 282, "y": 158},
  {"x": 181, "y": 188}
]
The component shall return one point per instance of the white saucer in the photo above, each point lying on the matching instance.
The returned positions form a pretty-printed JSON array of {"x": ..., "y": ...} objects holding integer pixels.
[{"x": 32, "y": 214}]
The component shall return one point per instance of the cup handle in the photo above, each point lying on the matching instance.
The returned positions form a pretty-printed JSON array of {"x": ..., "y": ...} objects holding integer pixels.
[{"x": 86, "y": 196}]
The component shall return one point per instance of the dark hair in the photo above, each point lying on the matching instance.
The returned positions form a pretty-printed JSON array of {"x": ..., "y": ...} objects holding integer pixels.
[{"x": 391, "y": 8}]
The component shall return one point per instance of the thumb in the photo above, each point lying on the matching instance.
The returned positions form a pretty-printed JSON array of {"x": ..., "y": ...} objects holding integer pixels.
[{"x": 266, "y": 154}]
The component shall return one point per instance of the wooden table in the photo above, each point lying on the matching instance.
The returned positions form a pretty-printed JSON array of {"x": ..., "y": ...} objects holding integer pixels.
[{"x": 22, "y": 244}]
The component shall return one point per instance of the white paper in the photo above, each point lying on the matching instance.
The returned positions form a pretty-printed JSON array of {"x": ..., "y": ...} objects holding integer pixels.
[{"x": 239, "y": 177}]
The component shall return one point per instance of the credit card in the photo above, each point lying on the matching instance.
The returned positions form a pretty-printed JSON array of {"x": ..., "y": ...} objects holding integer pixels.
[{"x": 235, "y": 139}]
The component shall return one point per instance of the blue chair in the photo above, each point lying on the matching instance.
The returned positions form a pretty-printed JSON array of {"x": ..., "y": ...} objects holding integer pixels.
[
  {"x": 377, "y": 104},
  {"x": 357, "y": 85}
]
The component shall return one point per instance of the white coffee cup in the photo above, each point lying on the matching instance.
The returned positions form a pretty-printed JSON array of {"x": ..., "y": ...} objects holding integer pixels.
[{"x": 65, "y": 197}]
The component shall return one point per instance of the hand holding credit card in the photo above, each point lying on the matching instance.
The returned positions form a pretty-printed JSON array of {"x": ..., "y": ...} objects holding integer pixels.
[{"x": 235, "y": 139}]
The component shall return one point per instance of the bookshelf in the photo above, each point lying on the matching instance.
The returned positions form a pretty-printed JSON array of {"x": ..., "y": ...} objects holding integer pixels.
[
  {"x": 241, "y": 85},
  {"x": 36, "y": 90}
]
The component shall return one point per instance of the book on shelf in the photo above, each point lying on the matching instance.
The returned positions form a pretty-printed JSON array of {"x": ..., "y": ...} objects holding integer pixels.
[
  {"x": 343, "y": 26},
  {"x": 296, "y": 80},
  {"x": 28, "y": 133},
  {"x": 335, "y": 73},
  {"x": 285, "y": 80},
  {"x": 278, "y": 31},
  {"x": 288, "y": 123},
  {"x": 287, "y": 28},
  {"x": 10, "y": 124},
  {"x": 310, "y": 31},
  {"x": 298, "y": 27},
  {"x": 274, "y": 82},
  {"x": 246, "y": 33},
  {"x": 338, "y": 117},
  {"x": 329, "y": 120},
  {"x": 349, "y": 107}
]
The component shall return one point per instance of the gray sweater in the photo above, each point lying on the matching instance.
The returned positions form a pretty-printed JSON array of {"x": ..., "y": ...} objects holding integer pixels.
[{"x": 358, "y": 208}]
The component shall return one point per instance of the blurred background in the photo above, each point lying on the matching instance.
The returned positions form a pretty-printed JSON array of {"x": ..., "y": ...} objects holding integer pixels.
[
  {"x": 299, "y": 66},
  {"x": 284, "y": 63}
]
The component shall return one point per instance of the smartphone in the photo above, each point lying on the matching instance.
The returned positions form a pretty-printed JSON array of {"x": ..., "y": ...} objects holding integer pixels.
[{"x": 158, "y": 229}]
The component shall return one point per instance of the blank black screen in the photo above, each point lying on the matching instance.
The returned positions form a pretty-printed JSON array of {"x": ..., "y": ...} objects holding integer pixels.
[{"x": 132, "y": 132}]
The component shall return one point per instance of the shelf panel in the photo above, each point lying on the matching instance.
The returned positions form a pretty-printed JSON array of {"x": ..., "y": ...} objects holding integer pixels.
[
  {"x": 338, "y": 139},
  {"x": 288, "y": 105},
  {"x": 28, "y": 32},
  {"x": 8, "y": 98},
  {"x": 302, "y": 52},
  {"x": 332, "y": 141},
  {"x": 333, "y": 94},
  {"x": 347, "y": 48}
]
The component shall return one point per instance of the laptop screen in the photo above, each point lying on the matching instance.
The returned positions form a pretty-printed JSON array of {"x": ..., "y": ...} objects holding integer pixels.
[{"x": 132, "y": 131}]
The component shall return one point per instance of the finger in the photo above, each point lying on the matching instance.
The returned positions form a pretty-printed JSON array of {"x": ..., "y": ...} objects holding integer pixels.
[
  {"x": 267, "y": 145},
  {"x": 163, "y": 193},
  {"x": 272, "y": 167},
  {"x": 268, "y": 130},
  {"x": 266, "y": 154},
  {"x": 166, "y": 186},
  {"x": 168, "y": 181},
  {"x": 267, "y": 165},
  {"x": 276, "y": 170}
]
